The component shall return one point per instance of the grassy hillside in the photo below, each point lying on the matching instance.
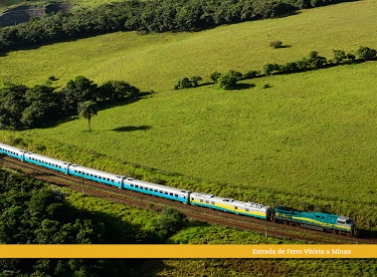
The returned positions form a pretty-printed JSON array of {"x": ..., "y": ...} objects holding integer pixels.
[
  {"x": 157, "y": 61},
  {"x": 309, "y": 138}
]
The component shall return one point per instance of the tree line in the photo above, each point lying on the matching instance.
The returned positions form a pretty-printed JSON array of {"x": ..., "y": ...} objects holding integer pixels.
[
  {"x": 146, "y": 16},
  {"x": 22, "y": 107},
  {"x": 314, "y": 61},
  {"x": 31, "y": 213}
]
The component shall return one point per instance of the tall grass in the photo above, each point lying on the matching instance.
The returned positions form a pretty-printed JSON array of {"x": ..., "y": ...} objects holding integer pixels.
[{"x": 310, "y": 137}]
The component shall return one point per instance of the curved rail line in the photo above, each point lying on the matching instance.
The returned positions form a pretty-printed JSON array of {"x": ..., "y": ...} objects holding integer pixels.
[{"x": 143, "y": 201}]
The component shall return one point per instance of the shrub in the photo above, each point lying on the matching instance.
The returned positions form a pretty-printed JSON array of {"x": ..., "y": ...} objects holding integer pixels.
[
  {"x": 195, "y": 80},
  {"x": 170, "y": 222},
  {"x": 276, "y": 44},
  {"x": 251, "y": 74},
  {"x": 227, "y": 81},
  {"x": 366, "y": 53},
  {"x": 215, "y": 76},
  {"x": 184, "y": 83}
]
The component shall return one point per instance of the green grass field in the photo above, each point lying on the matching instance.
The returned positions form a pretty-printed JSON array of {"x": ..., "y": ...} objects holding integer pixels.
[{"x": 309, "y": 138}]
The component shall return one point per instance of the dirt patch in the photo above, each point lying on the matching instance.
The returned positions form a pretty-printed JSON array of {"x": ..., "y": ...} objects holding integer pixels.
[{"x": 24, "y": 13}]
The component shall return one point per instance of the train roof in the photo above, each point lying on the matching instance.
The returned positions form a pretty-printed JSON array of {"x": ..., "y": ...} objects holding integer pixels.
[
  {"x": 231, "y": 201},
  {"x": 12, "y": 148},
  {"x": 96, "y": 172},
  {"x": 156, "y": 186},
  {"x": 305, "y": 213},
  {"x": 46, "y": 159}
]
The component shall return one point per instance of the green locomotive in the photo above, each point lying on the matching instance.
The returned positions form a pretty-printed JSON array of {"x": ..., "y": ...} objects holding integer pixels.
[{"x": 317, "y": 221}]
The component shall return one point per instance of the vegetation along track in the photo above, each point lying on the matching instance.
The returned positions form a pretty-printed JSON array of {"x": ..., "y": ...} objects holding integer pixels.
[{"x": 157, "y": 204}]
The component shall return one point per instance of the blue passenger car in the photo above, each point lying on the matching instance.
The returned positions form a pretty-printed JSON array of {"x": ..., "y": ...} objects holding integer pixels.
[
  {"x": 11, "y": 151},
  {"x": 96, "y": 175},
  {"x": 157, "y": 190},
  {"x": 47, "y": 162}
]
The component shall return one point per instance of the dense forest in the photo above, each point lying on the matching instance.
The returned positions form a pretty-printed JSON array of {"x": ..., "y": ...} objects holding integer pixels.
[
  {"x": 32, "y": 213},
  {"x": 146, "y": 16}
]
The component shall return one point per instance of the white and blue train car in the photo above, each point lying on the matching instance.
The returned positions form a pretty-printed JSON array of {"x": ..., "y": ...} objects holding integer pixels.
[
  {"x": 230, "y": 205},
  {"x": 96, "y": 175},
  {"x": 157, "y": 190},
  {"x": 47, "y": 162},
  {"x": 11, "y": 151}
]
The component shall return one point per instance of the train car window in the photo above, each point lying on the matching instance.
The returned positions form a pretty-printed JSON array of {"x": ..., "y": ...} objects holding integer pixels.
[
  {"x": 192, "y": 199},
  {"x": 132, "y": 185},
  {"x": 156, "y": 190},
  {"x": 136, "y": 186},
  {"x": 165, "y": 193},
  {"x": 247, "y": 210},
  {"x": 235, "y": 208},
  {"x": 171, "y": 194},
  {"x": 213, "y": 203},
  {"x": 176, "y": 195},
  {"x": 207, "y": 201},
  {"x": 201, "y": 200}
]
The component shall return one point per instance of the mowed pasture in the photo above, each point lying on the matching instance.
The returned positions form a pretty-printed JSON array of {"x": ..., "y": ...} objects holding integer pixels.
[{"x": 309, "y": 139}]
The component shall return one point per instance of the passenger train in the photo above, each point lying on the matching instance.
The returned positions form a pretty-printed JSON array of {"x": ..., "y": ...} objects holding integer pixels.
[{"x": 318, "y": 221}]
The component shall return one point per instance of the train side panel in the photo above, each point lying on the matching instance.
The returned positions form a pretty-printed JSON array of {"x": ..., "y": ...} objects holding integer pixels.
[
  {"x": 157, "y": 190},
  {"x": 13, "y": 152},
  {"x": 96, "y": 175},
  {"x": 47, "y": 162},
  {"x": 230, "y": 205},
  {"x": 317, "y": 221}
]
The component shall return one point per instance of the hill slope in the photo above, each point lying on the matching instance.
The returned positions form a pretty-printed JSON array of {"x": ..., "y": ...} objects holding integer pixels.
[{"x": 305, "y": 139}]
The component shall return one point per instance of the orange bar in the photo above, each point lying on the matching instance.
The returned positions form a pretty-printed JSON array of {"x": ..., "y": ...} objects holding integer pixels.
[{"x": 188, "y": 251}]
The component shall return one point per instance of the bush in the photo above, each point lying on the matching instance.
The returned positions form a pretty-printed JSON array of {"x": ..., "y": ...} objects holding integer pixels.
[
  {"x": 276, "y": 44},
  {"x": 170, "y": 222},
  {"x": 227, "y": 81},
  {"x": 366, "y": 53},
  {"x": 251, "y": 74},
  {"x": 215, "y": 76}
]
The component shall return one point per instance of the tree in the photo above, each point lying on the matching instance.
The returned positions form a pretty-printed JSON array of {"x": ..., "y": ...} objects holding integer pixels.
[
  {"x": 12, "y": 103},
  {"x": 195, "y": 80},
  {"x": 339, "y": 56},
  {"x": 251, "y": 74},
  {"x": 315, "y": 60},
  {"x": 170, "y": 222},
  {"x": 268, "y": 68},
  {"x": 351, "y": 57},
  {"x": 87, "y": 109},
  {"x": 215, "y": 76},
  {"x": 236, "y": 74},
  {"x": 366, "y": 53},
  {"x": 83, "y": 89},
  {"x": 227, "y": 81}
]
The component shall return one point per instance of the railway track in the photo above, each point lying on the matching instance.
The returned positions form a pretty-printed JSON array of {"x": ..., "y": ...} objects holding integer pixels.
[{"x": 148, "y": 202}]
